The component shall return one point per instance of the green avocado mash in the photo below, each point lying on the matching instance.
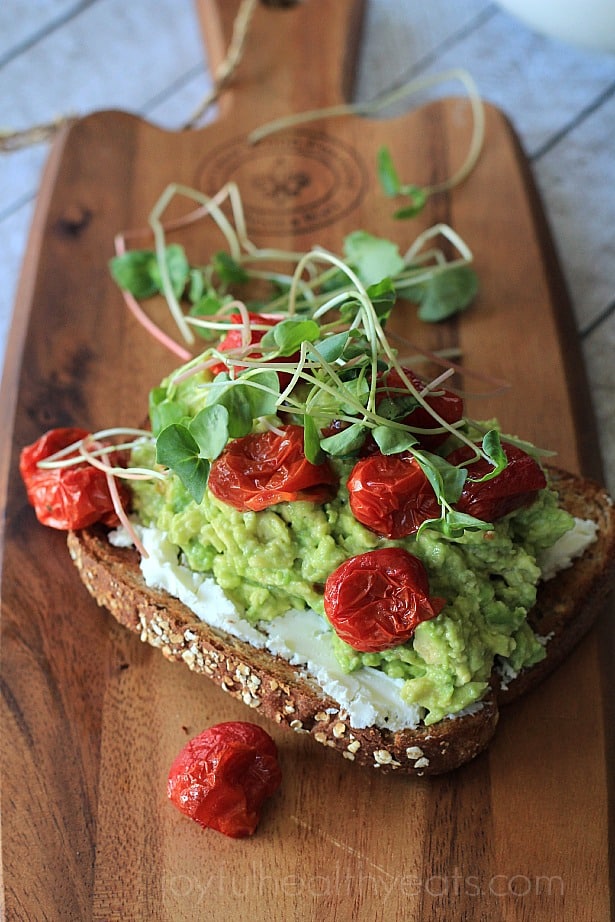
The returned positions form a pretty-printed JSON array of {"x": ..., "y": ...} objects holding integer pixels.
[
  {"x": 268, "y": 562},
  {"x": 312, "y": 352}
]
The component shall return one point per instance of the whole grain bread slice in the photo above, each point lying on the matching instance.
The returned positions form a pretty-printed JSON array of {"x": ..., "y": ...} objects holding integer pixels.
[{"x": 567, "y": 607}]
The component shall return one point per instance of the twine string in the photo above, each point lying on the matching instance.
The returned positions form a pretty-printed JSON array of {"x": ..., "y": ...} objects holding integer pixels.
[
  {"x": 13, "y": 140},
  {"x": 228, "y": 67}
]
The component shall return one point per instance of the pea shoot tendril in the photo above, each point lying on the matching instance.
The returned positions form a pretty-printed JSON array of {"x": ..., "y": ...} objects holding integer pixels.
[{"x": 313, "y": 352}]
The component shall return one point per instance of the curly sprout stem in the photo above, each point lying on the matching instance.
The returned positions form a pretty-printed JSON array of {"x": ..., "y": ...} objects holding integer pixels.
[
  {"x": 234, "y": 237},
  {"x": 434, "y": 231},
  {"x": 123, "y": 517},
  {"x": 372, "y": 107},
  {"x": 141, "y": 317}
]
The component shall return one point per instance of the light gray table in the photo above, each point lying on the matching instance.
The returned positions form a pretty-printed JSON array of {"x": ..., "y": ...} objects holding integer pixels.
[{"x": 70, "y": 57}]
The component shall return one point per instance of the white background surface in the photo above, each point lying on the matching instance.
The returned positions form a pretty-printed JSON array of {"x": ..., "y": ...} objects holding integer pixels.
[{"x": 70, "y": 57}]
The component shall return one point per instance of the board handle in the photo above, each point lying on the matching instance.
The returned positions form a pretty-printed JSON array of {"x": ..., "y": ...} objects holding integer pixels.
[{"x": 294, "y": 58}]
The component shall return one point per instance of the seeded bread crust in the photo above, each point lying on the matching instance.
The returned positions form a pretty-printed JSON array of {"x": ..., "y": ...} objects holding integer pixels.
[{"x": 567, "y": 607}]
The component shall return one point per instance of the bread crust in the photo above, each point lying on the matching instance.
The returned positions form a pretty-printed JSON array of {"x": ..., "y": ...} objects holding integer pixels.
[{"x": 567, "y": 607}]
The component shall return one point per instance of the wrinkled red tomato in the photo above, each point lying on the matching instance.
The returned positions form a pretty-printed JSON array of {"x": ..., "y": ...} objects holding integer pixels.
[
  {"x": 376, "y": 600},
  {"x": 391, "y": 495},
  {"x": 66, "y": 497},
  {"x": 234, "y": 340},
  {"x": 446, "y": 404},
  {"x": 222, "y": 777},
  {"x": 516, "y": 486},
  {"x": 265, "y": 468}
]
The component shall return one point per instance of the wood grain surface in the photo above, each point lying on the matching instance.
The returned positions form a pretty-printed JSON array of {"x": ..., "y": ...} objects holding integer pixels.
[{"x": 91, "y": 718}]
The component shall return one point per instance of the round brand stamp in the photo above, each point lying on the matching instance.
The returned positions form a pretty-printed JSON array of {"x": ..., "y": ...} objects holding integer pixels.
[{"x": 289, "y": 183}]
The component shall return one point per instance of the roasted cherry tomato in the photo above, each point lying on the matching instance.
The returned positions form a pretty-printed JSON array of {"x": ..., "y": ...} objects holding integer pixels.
[
  {"x": 265, "y": 468},
  {"x": 376, "y": 600},
  {"x": 391, "y": 495},
  {"x": 222, "y": 777},
  {"x": 446, "y": 404},
  {"x": 516, "y": 486},
  {"x": 234, "y": 340},
  {"x": 66, "y": 497}
]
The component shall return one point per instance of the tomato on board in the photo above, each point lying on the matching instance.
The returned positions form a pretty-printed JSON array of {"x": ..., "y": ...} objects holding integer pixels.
[
  {"x": 391, "y": 495},
  {"x": 66, "y": 497},
  {"x": 448, "y": 405},
  {"x": 265, "y": 468},
  {"x": 514, "y": 487},
  {"x": 222, "y": 777},
  {"x": 376, "y": 600},
  {"x": 233, "y": 340}
]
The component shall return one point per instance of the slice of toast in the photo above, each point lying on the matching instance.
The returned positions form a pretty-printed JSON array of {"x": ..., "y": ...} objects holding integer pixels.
[{"x": 566, "y": 608}]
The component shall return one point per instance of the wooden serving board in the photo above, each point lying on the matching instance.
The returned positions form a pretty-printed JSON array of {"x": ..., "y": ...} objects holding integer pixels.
[{"x": 92, "y": 718}]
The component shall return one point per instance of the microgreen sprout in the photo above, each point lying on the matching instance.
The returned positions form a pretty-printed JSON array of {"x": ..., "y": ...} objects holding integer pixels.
[
  {"x": 386, "y": 169},
  {"x": 313, "y": 351},
  {"x": 332, "y": 361},
  {"x": 318, "y": 352},
  {"x": 319, "y": 367},
  {"x": 199, "y": 298},
  {"x": 393, "y": 187}
]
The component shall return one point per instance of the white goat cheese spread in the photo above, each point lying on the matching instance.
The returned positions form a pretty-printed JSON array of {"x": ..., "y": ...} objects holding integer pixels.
[
  {"x": 369, "y": 696},
  {"x": 567, "y": 548}
]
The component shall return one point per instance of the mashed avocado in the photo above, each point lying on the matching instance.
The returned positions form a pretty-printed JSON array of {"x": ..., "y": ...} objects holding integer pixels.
[{"x": 271, "y": 561}]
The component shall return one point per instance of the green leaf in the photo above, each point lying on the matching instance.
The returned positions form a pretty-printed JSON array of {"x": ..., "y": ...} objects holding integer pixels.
[
  {"x": 311, "y": 440},
  {"x": 387, "y": 174},
  {"x": 454, "y": 524},
  {"x": 418, "y": 200},
  {"x": 391, "y": 441},
  {"x": 373, "y": 258},
  {"x": 383, "y": 297},
  {"x": 262, "y": 388},
  {"x": 492, "y": 447},
  {"x": 453, "y": 478},
  {"x": 209, "y": 303},
  {"x": 178, "y": 450},
  {"x": 397, "y": 408},
  {"x": 461, "y": 520},
  {"x": 391, "y": 185},
  {"x": 446, "y": 479},
  {"x": 332, "y": 347},
  {"x": 196, "y": 285},
  {"x": 228, "y": 270},
  {"x": 165, "y": 413},
  {"x": 345, "y": 443},
  {"x": 357, "y": 387},
  {"x": 357, "y": 345},
  {"x": 211, "y": 431},
  {"x": 163, "y": 410},
  {"x": 156, "y": 397},
  {"x": 443, "y": 295},
  {"x": 234, "y": 397},
  {"x": 177, "y": 267},
  {"x": 286, "y": 337},
  {"x": 137, "y": 272}
]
